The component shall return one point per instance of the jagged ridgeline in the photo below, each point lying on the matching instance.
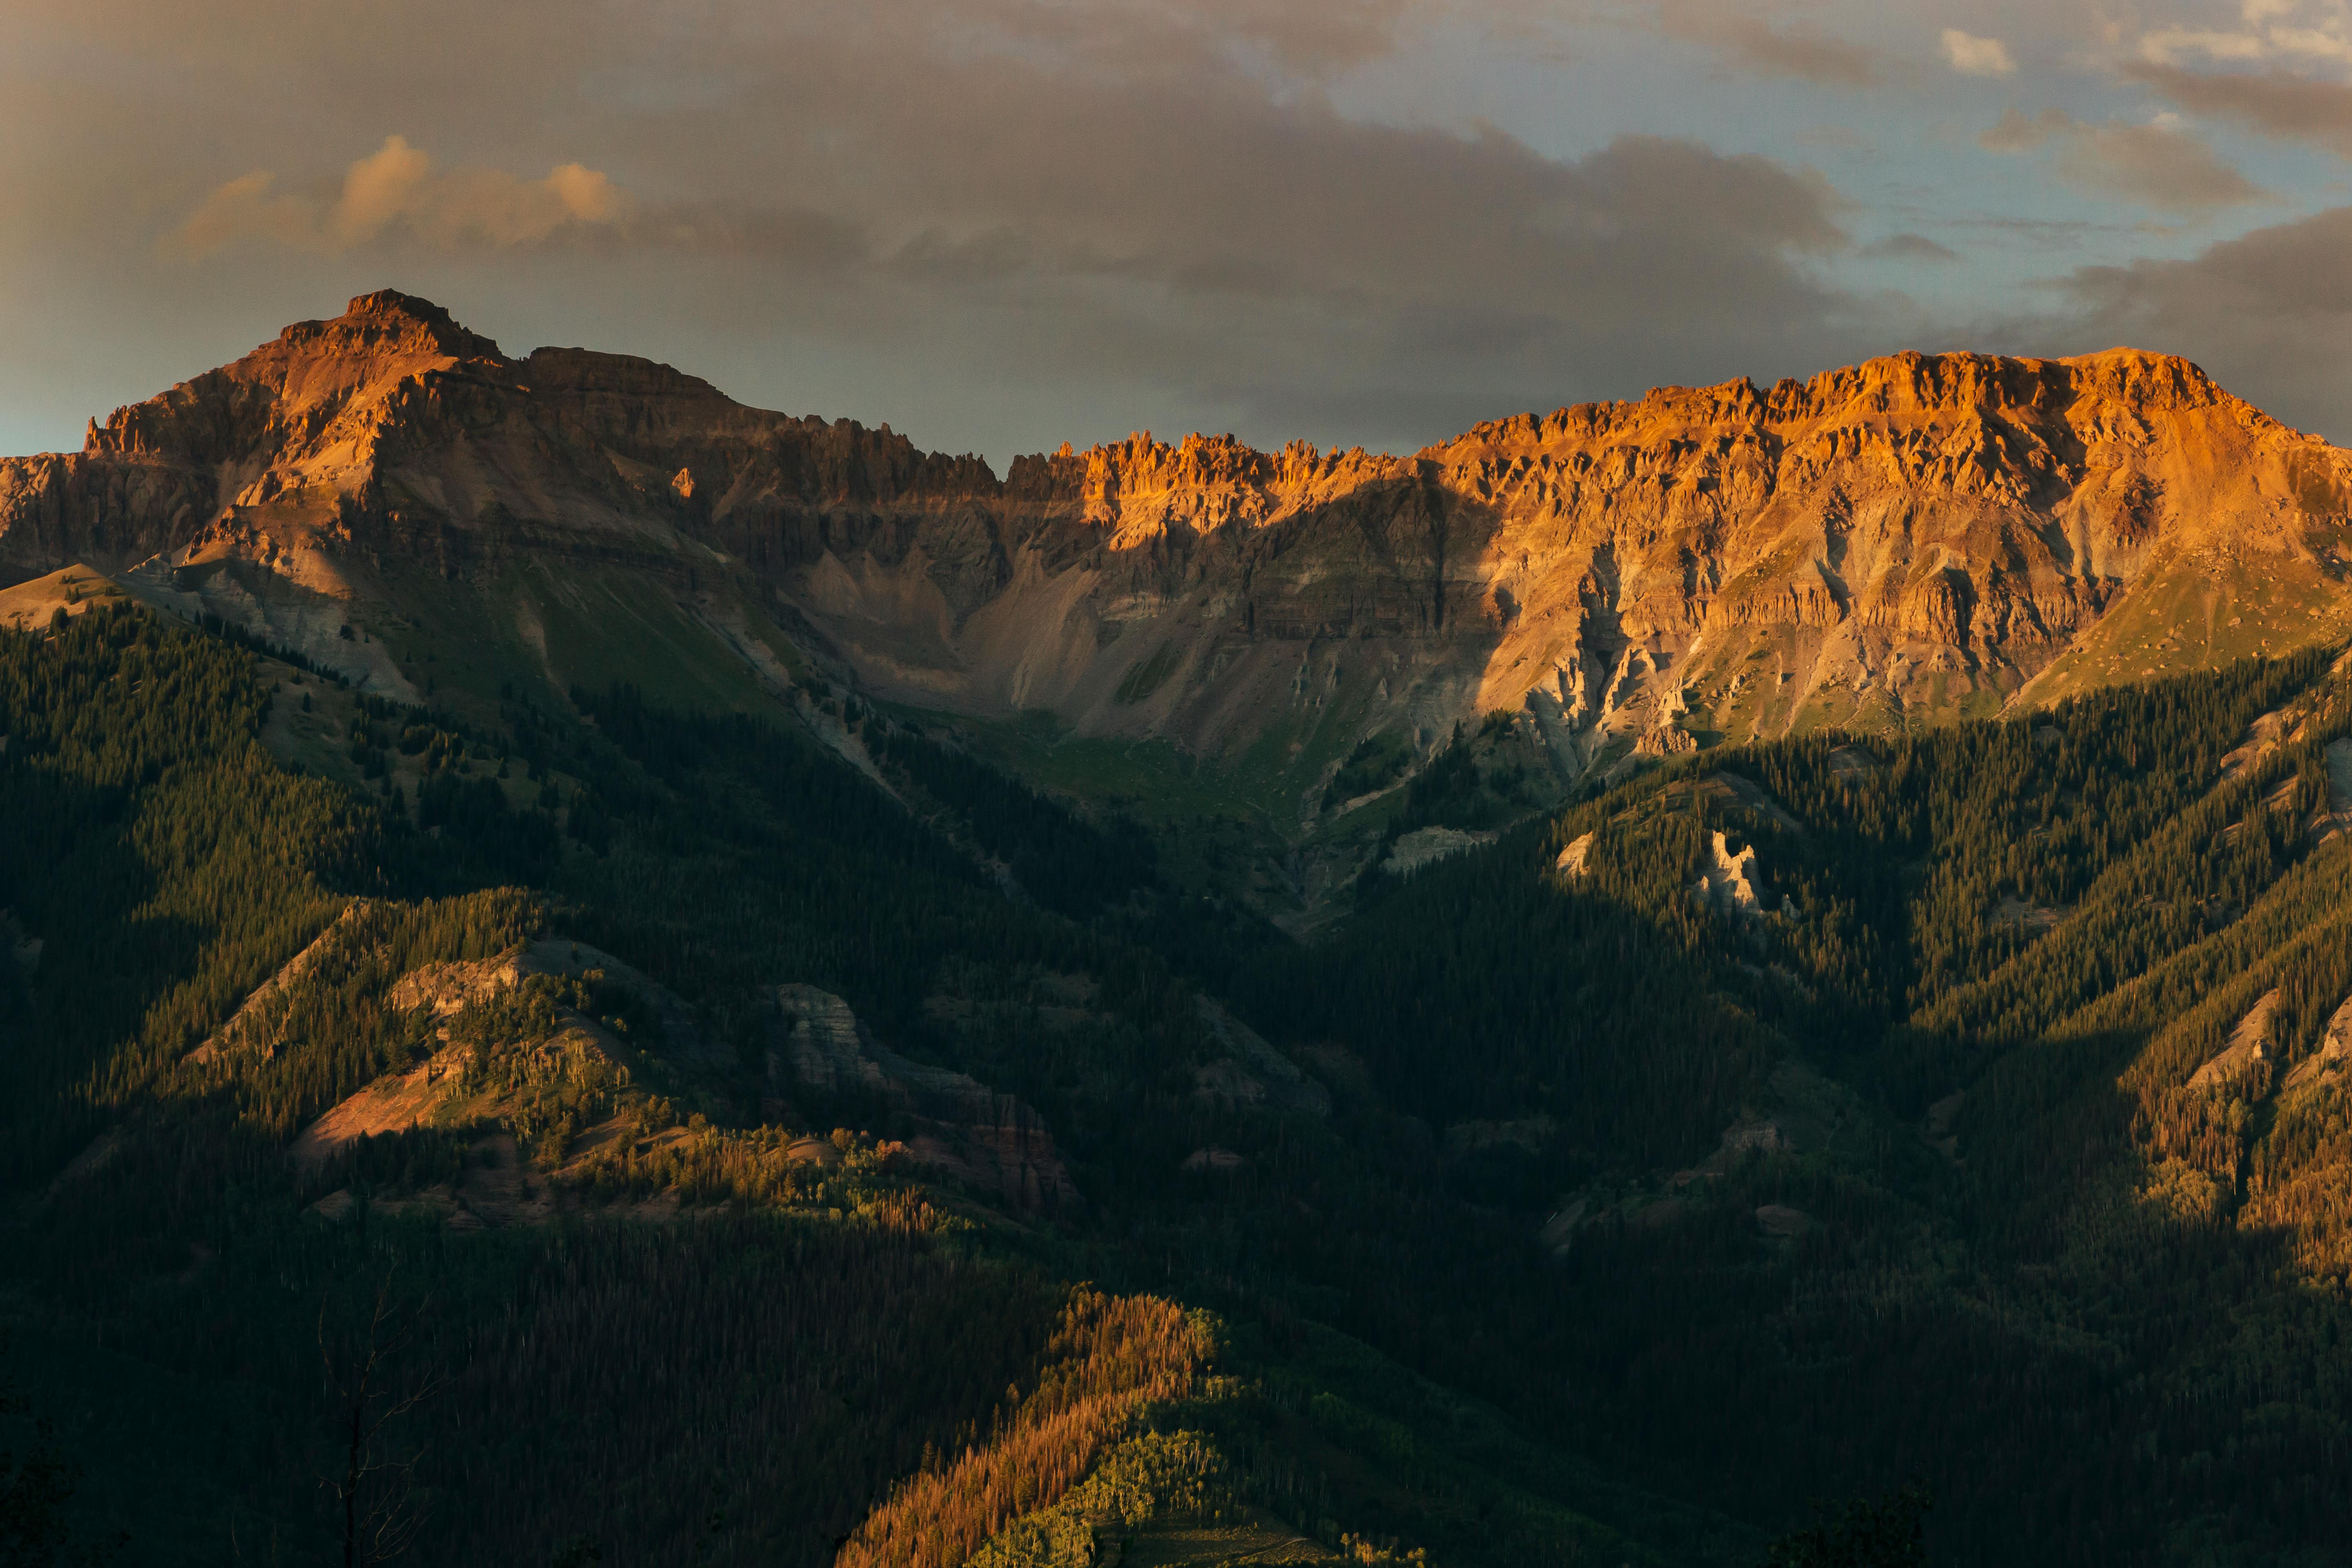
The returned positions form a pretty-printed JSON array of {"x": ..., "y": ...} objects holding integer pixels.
[
  {"x": 747, "y": 1148},
  {"x": 1260, "y": 653},
  {"x": 1896, "y": 543}
]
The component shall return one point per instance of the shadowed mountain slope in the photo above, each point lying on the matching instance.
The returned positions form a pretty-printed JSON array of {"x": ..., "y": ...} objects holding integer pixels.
[{"x": 731, "y": 1113}]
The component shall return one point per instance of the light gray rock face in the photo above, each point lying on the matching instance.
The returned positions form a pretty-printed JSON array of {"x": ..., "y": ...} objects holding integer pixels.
[
  {"x": 1427, "y": 846},
  {"x": 1732, "y": 885},
  {"x": 2335, "y": 1050},
  {"x": 2337, "y": 817},
  {"x": 2248, "y": 1045}
]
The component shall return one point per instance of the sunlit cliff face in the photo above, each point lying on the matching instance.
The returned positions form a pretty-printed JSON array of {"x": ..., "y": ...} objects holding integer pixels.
[{"x": 1901, "y": 542}]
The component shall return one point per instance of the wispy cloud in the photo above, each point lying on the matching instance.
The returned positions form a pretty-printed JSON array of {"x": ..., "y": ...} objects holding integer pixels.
[
  {"x": 397, "y": 189},
  {"x": 1972, "y": 55},
  {"x": 1748, "y": 39},
  {"x": 2160, "y": 166},
  {"x": 2296, "y": 30},
  {"x": 2278, "y": 104},
  {"x": 1907, "y": 248}
]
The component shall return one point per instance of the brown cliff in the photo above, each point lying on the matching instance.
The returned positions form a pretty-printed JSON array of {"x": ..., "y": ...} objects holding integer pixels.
[{"x": 1898, "y": 543}]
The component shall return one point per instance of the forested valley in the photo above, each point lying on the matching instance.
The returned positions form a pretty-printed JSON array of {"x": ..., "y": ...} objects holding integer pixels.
[{"x": 579, "y": 1126}]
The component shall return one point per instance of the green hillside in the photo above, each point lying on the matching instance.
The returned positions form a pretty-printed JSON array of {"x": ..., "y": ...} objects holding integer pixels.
[{"x": 1602, "y": 1195}]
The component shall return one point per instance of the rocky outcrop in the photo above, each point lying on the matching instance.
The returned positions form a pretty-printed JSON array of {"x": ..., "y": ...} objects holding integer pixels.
[
  {"x": 1731, "y": 885},
  {"x": 257, "y": 1028},
  {"x": 1912, "y": 537},
  {"x": 2247, "y": 1049},
  {"x": 1427, "y": 846},
  {"x": 992, "y": 1144},
  {"x": 450, "y": 1085},
  {"x": 1573, "y": 859},
  {"x": 2326, "y": 1058}
]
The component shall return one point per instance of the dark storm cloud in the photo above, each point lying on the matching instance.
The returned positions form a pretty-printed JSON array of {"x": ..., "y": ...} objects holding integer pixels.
[{"x": 2272, "y": 310}]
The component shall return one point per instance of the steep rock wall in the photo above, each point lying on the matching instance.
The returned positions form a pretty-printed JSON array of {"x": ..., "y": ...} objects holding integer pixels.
[{"x": 1895, "y": 543}]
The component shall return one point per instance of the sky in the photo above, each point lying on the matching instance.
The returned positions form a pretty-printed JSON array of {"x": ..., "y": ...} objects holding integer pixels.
[{"x": 1000, "y": 224}]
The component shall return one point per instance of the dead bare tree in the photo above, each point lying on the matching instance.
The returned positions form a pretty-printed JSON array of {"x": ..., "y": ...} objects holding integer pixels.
[{"x": 376, "y": 1492}]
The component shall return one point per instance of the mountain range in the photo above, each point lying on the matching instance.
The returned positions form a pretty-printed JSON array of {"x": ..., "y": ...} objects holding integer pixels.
[
  {"x": 1906, "y": 542},
  {"x": 596, "y": 974}
]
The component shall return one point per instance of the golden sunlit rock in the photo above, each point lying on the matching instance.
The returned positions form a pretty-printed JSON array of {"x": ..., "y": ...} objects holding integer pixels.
[{"x": 1908, "y": 541}]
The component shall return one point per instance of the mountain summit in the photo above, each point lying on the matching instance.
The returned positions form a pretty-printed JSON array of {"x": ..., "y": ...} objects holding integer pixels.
[{"x": 1903, "y": 542}]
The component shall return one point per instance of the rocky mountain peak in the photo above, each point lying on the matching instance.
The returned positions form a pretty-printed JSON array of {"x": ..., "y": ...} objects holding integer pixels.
[
  {"x": 1881, "y": 545},
  {"x": 390, "y": 318},
  {"x": 1139, "y": 488},
  {"x": 263, "y": 408},
  {"x": 1908, "y": 388}
]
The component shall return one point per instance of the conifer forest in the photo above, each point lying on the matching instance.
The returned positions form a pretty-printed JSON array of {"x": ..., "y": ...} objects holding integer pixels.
[{"x": 620, "y": 1131}]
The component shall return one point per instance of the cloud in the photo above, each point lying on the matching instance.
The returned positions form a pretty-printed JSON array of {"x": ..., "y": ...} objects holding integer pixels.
[
  {"x": 2168, "y": 45},
  {"x": 1268, "y": 254},
  {"x": 2309, "y": 30},
  {"x": 397, "y": 185},
  {"x": 1972, "y": 55},
  {"x": 384, "y": 186},
  {"x": 2277, "y": 104},
  {"x": 2159, "y": 165},
  {"x": 1907, "y": 248},
  {"x": 997, "y": 222},
  {"x": 1751, "y": 43},
  {"x": 1312, "y": 39},
  {"x": 1038, "y": 203},
  {"x": 2268, "y": 314},
  {"x": 245, "y": 208}
]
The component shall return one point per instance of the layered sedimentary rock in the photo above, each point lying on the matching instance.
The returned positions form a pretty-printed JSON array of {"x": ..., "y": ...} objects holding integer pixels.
[{"x": 1900, "y": 542}]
